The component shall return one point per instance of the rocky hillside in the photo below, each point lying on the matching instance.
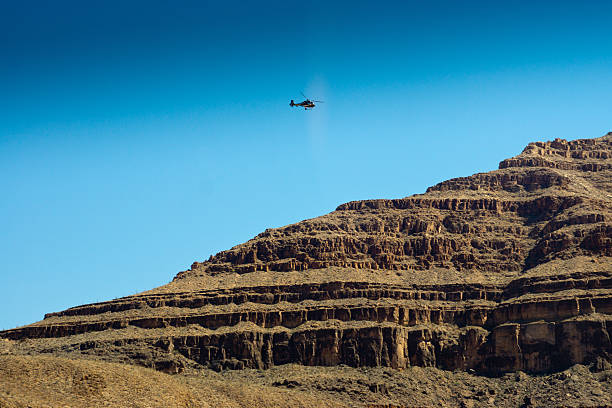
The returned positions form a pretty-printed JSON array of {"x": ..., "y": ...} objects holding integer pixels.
[{"x": 497, "y": 272}]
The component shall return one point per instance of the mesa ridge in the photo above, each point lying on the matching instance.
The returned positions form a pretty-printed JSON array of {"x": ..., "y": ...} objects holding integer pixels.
[{"x": 498, "y": 272}]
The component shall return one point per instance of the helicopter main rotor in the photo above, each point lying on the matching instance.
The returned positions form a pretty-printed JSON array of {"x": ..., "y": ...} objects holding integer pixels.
[{"x": 308, "y": 99}]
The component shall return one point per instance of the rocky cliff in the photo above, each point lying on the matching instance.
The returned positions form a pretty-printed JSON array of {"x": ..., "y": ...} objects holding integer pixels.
[{"x": 501, "y": 271}]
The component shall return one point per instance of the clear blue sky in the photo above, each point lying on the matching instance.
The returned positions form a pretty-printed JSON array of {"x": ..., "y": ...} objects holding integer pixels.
[{"x": 137, "y": 137}]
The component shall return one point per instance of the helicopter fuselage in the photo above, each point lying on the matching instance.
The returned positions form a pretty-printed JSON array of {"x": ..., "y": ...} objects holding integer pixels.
[{"x": 307, "y": 104}]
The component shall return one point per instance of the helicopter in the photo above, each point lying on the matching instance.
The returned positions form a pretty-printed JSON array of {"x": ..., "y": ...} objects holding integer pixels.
[{"x": 307, "y": 104}]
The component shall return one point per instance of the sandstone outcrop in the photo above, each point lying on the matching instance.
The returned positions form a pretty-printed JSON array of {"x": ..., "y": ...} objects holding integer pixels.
[{"x": 497, "y": 272}]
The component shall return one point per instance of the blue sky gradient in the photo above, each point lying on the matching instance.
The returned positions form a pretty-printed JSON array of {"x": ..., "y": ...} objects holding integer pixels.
[{"x": 137, "y": 138}]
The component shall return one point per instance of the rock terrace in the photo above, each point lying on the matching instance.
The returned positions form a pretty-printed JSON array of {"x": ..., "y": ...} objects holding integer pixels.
[{"x": 497, "y": 272}]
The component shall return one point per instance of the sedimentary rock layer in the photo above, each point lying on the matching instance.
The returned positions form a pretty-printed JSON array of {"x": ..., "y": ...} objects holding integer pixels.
[{"x": 500, "y": 271}]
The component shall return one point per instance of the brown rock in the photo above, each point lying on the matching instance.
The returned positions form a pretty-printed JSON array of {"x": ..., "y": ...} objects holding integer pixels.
[{"x": 502, "y": 271}]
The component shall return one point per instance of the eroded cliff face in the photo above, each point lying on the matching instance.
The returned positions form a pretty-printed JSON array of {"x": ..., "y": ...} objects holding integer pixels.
[{"x": 501, "y": 271}]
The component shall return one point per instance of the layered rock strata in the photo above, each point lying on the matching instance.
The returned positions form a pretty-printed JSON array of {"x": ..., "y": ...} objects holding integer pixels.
[{"x": 501, "y": 271}]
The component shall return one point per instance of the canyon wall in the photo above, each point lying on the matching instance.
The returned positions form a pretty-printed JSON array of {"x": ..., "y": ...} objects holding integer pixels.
[{"x": 501, "y": 271}]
